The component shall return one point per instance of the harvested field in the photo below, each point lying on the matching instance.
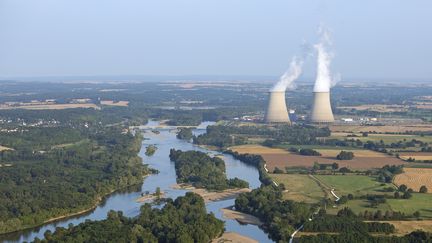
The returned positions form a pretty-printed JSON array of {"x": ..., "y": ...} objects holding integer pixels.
[
  {"x": 406, "y": 227},
  {"x": 332, "y": 153},
  {"x": 4, "y": 148},
  {"x": 387, "y": 138},
  {"x": 295, "y": 160},
  {"x": 52, "y": 107},
  {"x": 114, "y": 103},
  {"x": 257, "y": 149},
  {"x": 380, "y": 129},
  {"x": 300, "y": 188},
  {"x": 415, "y": 178},
  {"x": 417, "y": 156}
]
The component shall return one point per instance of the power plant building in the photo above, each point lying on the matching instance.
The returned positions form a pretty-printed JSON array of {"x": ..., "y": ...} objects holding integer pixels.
[
  {"x": 277, "y": 110},
  {"x": 321, "y": 108}
]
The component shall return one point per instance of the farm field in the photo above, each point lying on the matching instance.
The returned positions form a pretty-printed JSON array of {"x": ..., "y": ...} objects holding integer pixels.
[
  {"x": 415, "y": 178},
  {"x": 406, "y": 227},
  {"x": 419, "y": 202},
  {"x": 416, "y": 155},
  {"x": 354, "y": 184},
  {"x": 51, "y": 107},
  {"x": 114, "y": 103},
  {"x": 386, "y": 138},
  {"x": 380, "y": 129},
  {"x": 4, "y": 148},
  {"x": 278, "y": 157},
  {"x": 299, "y": 188}
]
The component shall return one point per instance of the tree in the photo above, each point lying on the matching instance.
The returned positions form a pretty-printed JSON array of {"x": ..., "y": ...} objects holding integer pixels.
[
  {"x": 158, "y": 192},
  {"x": 416, "y": 214},
  {"x": 423, "y": 189},
  {"x": 278, "y": 171},
  {"x": 406, "y": 195},
  {"x": 397, "y": 195},
  {"x": 403, "y": 188},
  {"x": 344, "y": 155},
  {"x": 335, "y": 166}
]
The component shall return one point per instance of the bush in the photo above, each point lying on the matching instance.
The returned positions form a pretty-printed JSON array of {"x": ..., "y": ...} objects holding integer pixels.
[
  {"x": 309, "y": 152},
  {"x": 344, "y": 155},
  {"x": 423, "y": 189},
  {"x": 278, "y": 171},
  {"x": 403, "y": 188}
]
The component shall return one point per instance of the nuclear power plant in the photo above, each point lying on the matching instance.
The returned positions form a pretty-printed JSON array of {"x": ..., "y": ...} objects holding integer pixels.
[
  {"x": 277, "y": 110},
  {"x": 321, "y": 108}
]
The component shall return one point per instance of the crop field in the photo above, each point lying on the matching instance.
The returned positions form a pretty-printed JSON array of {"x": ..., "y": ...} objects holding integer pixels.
[
  {"x": 358, "y": 163},
  {"x": 380, "y": 129},
  {"x": 299, "y": 188},
  {"x": 415, "y": 178},
  {"x": 354, "y": 184},
  {"x": 419, "y": 202},
  {"x": 52, "y": 106},
  {"x": 277, "y": 157},
  {"x": 416, "y": 155},
  {"x": 257, "y": 149},
  {"x": 361, "y": 153},
  {"x": 4, "y": 148},
  {"x": 386, "y": 138},
  {"x": 406, "y": 227}
]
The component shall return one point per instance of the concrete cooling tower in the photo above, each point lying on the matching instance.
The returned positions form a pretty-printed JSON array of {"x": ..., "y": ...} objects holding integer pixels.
[
  {"x": 321, "y": 109},
  {"x": 277, "y": 109}
]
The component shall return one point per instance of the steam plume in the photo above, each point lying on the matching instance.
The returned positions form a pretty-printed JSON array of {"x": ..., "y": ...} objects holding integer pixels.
[
  {"x": 286, "y": 81},
  {"x": 324, "y": 81}
]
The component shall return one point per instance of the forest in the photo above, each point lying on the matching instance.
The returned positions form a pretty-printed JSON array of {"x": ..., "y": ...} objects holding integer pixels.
[
  {"x": 183, "y": 220},
  {"x": 203, "y": 171},
  {"x": 64, "y": 169}
]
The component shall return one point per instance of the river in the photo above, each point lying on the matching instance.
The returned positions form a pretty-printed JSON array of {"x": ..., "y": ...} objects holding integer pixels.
[{"x": 125, "y": 200}]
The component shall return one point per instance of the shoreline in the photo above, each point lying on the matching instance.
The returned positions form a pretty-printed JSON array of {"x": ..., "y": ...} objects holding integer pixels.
[
  {"x": 212, "y": 196},
  {"x": 242, "y": 218},
  {"x": 98, "y": 201}
]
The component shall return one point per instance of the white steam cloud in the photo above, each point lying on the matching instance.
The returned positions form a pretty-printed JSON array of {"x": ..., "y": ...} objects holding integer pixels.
[
  {"x": 286, "y": 81},
  {"x": 324, "y": 81}
]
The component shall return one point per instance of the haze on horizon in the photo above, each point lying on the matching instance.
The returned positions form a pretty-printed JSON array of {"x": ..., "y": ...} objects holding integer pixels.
[{"x": 387, "y": 39}]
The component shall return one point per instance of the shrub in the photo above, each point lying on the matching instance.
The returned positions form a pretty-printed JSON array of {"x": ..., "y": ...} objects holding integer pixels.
[
  {"x": 344, "y": 155},
  {"x": 423, "y": 189}
]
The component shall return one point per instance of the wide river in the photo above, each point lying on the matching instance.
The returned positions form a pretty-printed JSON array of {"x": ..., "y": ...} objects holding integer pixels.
[{"x": 126, "y": 200}]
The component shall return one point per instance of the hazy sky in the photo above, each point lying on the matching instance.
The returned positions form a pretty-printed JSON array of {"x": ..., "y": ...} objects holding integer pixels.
[{"x": 371, "y": 38}]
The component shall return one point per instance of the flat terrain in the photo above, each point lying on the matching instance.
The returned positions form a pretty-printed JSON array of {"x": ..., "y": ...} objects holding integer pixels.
[
  {"x": 406, "y": 227},
  {"x": 281, "y": 158},
  {"x": 386, "y": 138},
  {"x": 241, "y": 217},
  {"x": 415, "y": 178},
  {"x": 419, "y": 202},
  {"x": 416, "y": 155},
  {"x": 213, "y": 195},
  {"x": 114, "y": 103},
  {"x": 51, "y": 107},
  {"x": 299, "y": 188},
  {"x": 354, "y": 184},
  {"x": 382, "y": 129},
  {"x": 4, "y": 148}
]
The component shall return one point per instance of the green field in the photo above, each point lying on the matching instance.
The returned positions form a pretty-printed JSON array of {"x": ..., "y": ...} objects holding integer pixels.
[
  {"x": 299, "y": 187},
  {"x": 421, "y": 202},
  {"x": 287, "y": 146},
  {"x": 354, "y": 184}
]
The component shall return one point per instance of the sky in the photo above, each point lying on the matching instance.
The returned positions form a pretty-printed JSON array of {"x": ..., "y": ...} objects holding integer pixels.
[{"x": 372, "y": 39}]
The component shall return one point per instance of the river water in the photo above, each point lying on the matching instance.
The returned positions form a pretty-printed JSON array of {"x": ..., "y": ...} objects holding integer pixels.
[{"x": 125, "y": 200}]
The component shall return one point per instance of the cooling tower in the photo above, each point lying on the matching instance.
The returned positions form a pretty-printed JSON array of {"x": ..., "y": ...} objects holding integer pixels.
[
  {"x": 321, "y": 109},
  {"x": 277, "y": 110}
]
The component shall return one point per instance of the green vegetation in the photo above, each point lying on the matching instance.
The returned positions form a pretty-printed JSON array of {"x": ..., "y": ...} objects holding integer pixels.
[
  {"x": 203, "y": 171},
  {"x": 150, "y": 150},
  {"x": 65, "y": 179},
  {"x": 352, "y": 184},
  {"x": 182, "y": 220},
  {"x": 344, "y": 155},
  {"x": 309, "y": 152},
  {"x": 301, "y": 188},
  {"x": 280, "y": 217},
  {"x": 185, "y": 133},
  {"x": 224, "y": 136}
]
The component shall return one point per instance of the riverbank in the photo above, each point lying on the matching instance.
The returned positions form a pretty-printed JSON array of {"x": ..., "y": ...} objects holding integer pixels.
[
  {"x": 233, "y": 238},
  {"x": 242, "y": 218},
  {"x": 212, "y": 196}
]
